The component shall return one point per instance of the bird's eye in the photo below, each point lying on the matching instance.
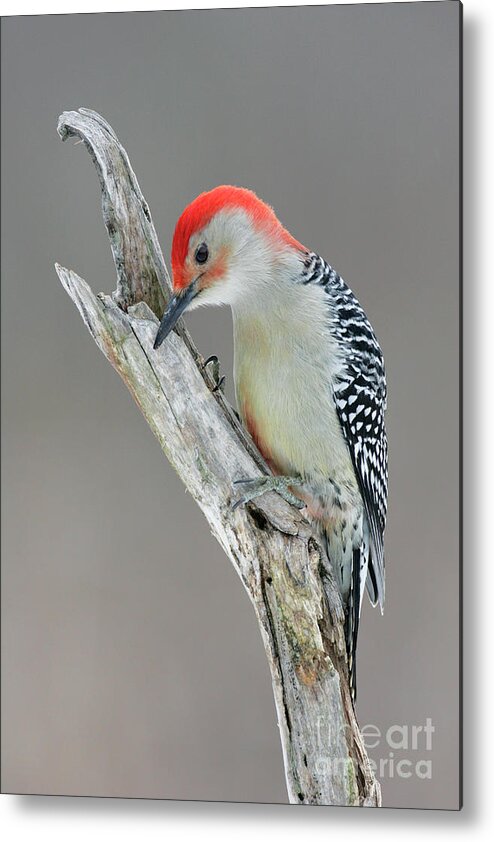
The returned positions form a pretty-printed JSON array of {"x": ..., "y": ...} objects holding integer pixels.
[{"x": 202, "y": 253}]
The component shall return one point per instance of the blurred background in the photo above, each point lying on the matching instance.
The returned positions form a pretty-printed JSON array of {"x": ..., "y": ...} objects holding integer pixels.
[{"x": 141, "y": 672}]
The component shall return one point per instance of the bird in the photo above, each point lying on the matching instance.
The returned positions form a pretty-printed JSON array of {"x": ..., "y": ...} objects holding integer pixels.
[{"x": 309, "y": 378}]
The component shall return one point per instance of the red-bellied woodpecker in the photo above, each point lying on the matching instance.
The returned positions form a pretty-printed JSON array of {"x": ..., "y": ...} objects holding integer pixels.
[{"x": 309, "y": 377}]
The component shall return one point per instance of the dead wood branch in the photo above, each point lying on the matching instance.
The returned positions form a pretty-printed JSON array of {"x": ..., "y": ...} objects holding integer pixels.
[{"x": 270, "y": 544}]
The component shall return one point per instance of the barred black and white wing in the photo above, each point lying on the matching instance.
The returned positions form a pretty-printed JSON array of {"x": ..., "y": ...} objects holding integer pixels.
[
  {"x": 360, "y": 397},
  {"x": 361, "y": 411}
]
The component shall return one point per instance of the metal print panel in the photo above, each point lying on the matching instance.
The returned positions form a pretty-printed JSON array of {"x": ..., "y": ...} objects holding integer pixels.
[{"x": 281, "y": 209}]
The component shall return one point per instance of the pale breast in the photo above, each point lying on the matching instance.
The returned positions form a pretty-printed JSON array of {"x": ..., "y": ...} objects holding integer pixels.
[{"x": 283, "y": 381}]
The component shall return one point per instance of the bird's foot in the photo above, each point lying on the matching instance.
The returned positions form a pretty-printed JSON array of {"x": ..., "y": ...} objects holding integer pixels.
[
  {"x": 261, "y": 485},
  {"x": 212, "y": 366}
]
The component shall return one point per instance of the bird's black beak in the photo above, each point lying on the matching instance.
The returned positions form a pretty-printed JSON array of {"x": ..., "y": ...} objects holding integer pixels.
[{"x": 176, "y": 306}]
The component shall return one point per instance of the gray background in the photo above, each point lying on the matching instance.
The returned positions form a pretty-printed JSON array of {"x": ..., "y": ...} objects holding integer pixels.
[{"x": 138, "y": 673}]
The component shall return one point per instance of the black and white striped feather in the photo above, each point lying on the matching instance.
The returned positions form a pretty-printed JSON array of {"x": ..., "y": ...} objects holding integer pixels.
[{"x": 360, "y": 399}]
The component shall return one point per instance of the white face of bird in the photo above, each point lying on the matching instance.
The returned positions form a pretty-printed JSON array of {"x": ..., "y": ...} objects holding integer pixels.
[
  {"x": 235, "y": 255},
  {"x": 229, "y": 261},
  {"x": 233, "y": 261},
  {"x": 221, "y": 256}
]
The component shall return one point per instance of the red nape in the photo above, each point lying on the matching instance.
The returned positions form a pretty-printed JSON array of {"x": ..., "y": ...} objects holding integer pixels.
[{"x": 200, "y": 212}]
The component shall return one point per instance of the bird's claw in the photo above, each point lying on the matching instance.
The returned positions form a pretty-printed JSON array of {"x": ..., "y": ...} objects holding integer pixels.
[
  {"x": 214, "y": 363},
  {"x": 220, "y": 386},
  {"x": 262, "y": 485}
]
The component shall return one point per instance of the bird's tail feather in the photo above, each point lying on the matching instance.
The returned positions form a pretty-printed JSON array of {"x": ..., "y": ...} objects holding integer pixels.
[
  {"x": 352, "y": 600},
  {"x": 352, "y": 620}
]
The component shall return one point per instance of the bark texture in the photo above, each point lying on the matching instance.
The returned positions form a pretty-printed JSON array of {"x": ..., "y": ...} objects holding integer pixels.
[{"x": 271, "y": 545}]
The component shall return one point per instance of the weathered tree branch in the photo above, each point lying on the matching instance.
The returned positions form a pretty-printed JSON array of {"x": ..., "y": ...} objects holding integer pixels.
[{"x": 270, "y": 544}]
